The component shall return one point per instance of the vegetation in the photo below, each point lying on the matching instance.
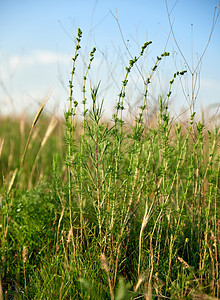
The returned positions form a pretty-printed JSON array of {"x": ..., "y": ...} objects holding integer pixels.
[{"x": 100, "y": 209}]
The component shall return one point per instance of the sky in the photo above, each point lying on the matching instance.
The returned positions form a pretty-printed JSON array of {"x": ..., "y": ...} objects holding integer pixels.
[{"x": 38, "y": 38}]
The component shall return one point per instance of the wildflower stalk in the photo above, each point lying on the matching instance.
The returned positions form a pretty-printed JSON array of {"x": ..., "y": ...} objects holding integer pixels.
[
  {"x": 70, "y": 126},
  {"x": 82, "y": 146}
]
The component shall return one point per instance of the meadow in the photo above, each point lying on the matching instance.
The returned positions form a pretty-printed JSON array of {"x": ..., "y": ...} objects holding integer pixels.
[{"x": 93, "y": 208}]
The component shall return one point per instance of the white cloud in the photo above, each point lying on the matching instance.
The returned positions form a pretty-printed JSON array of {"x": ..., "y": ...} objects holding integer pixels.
[
  {"x": 47, "y": 57},
  {"x": 210, "y": 83},
  {"x": 36, "y": 57}
]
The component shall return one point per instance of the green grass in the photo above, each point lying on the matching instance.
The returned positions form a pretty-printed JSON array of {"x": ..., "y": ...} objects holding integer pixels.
[{"x": 106, "y": 210}]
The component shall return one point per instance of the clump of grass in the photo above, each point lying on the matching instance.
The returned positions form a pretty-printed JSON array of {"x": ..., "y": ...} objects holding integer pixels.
[{"x": 132, "y": 212}]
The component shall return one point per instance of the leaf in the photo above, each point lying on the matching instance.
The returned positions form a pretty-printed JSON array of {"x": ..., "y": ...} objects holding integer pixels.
[{"x": 123, "y": 290}]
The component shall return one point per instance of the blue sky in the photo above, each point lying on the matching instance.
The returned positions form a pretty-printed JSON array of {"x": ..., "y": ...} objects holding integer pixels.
[{"x": 38, "y": 40}]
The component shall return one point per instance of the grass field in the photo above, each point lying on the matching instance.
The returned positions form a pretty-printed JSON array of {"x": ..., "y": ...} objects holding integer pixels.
[{"x": 103, "y": 209}]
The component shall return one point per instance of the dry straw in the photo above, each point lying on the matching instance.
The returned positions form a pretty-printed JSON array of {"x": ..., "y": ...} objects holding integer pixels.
[
  {"x": 1, "y": 146},
  {"x": 104, "y": 264},
  {"x": 52, "y": 125},
  {"x": 34, "y": 123},
  {"x": 1, "y": 290},
  {"x": 24, "y": 259}
]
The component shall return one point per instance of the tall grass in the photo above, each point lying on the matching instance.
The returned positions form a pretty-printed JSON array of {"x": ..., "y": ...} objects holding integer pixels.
[{"x": 132, "y": 212}]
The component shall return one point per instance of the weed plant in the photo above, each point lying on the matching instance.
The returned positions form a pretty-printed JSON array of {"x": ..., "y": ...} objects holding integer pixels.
[{"x": 132, "y": 212}]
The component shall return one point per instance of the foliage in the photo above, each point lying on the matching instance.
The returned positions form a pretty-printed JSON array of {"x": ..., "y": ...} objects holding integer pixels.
[{"x": 124, "y": 212}]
